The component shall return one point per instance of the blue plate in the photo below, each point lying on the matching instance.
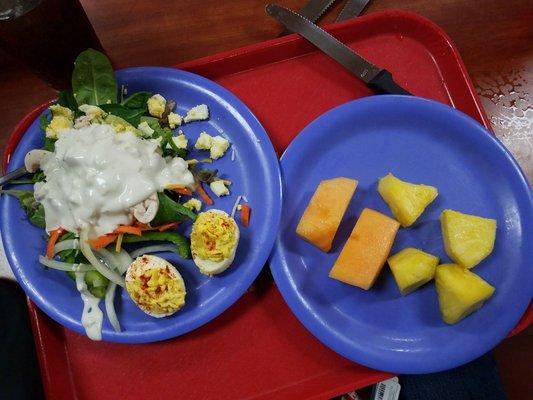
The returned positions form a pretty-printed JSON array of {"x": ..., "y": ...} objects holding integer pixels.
[
  {"x": 254, "y": 173},
  {"x": 419, "y": 141}
]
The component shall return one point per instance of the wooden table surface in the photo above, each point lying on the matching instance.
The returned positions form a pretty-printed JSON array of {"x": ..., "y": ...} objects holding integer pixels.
[{"x": 494, "y": 38}]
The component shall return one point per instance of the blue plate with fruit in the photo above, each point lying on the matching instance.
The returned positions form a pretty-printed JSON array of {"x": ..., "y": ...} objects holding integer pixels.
[{"x": 422, "y": 142}]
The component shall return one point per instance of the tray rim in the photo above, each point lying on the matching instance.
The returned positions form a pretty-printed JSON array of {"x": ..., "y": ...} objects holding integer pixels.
[{"x": 37, "y": 318}]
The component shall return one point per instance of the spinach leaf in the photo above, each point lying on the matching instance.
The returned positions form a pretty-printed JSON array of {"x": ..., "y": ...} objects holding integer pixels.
[
  {"x": 36, "y": 216},
  {"x": 43, "y": 121},
  {"x": 171, "y": 211},
  {"x": 133, "y": 116},
  {"x": 49, "y": 144},
  {"x": 66, "y": 99},
  {"x": 39, "y": 176},
  {"x": 183, "y": 244},
  {"x": 137, "y": 100},
  {"x": 34, "y": 210},
  {"x": 93, "y": 79}
]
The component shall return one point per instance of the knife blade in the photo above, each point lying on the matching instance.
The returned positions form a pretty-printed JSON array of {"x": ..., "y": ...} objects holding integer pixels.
[
  {"x": 378, "y": 79},
  {"x": 351, "y": 9},
  {"x": 313, "y": 10}
]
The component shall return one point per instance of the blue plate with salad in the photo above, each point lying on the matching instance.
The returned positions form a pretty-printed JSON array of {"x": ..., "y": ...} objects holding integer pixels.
[{"x": 151, "y": 203}]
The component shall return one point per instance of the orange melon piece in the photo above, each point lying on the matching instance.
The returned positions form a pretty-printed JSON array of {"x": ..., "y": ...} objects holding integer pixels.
[
  {"x": 322, "y": 217},
  {"x": 366, "y": 250}
]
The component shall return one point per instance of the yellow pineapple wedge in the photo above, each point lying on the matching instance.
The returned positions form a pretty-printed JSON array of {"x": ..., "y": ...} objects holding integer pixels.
[
  {"x": 467, "y": 239},
  {"x": 412, "y": 268},
  {"x": 407, "y": 201},
  {"x": 460, "y": 292}
]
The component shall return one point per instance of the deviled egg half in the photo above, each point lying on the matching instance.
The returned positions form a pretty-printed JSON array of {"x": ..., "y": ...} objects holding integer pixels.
[
  {"x": 214, "y": 240},
  {"x": 155, "y": 286}
]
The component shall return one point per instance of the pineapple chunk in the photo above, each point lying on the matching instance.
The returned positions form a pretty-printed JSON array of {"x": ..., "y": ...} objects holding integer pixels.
[
  {"x": 467, "y": 239},
  {"x": 460, "y": 292},
  {"x": 412, "y": 268},
  {"x": 407, "y": 201}
]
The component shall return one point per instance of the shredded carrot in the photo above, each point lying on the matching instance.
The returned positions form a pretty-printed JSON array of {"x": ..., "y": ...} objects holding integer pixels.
[
  {"x": 54, "y": 236},
  {"x": 166, "y": 227},
  {"x": 134, "y": 230},
  {"x": 102, "y": 241},
  {"x": 118, "y": 245},
  {"x": 203, "y": 194},
  {"x": 245, "y": 214},
  {"x": 183, "y": 191}
]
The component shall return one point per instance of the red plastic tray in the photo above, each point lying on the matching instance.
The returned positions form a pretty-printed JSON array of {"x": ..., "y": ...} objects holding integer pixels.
[{"x": 257, "y": 349}]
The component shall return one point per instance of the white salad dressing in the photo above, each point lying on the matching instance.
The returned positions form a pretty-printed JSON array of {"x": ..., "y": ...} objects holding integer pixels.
[
  {"x": 96, "y": 175},
  {"x": 92, "y": 316}
]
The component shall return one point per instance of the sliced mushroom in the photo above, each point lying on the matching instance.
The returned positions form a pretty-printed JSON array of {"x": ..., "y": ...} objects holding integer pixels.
[
  {"x": 146, "y": 210},
  {"x": 34, "y": 158}
]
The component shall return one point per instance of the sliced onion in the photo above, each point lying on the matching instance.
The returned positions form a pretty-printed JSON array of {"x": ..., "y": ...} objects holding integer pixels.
[
  {"x": 110, "y": 306},
  {"x": 153, "y": 249},
  {"x": 72, "y": 244},
  {"x": 108, "y": 257},
  {"x": 62, "y": 266},
  {"x": 96, "y": 263},
  {"x": 235, "y": 205},
  {"x": 124, "y": 261}
]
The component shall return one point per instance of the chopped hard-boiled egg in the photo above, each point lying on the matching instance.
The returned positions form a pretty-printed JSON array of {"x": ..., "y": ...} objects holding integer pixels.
[
  {"x": 214, "y": 240},
  {"x": 155, "y": 286},
  {"x": 219, "y": 188},
  {"x": 62, "y": 118},
  {"x": 219, "y": 145},
  {"x": 145, "y": 129},
  {"x": 180, "y": 141},
  {"x": 88, "y": 109},
  {"x": 204, "y": 142},
  {"x": 174, "y": 120},
  {"x": 197, "y": 113},
  {"x": 193, "y": 204},
  {"x": 156, "y": 105}
]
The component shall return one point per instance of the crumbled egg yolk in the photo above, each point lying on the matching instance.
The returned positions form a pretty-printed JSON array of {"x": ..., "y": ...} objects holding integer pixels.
[
  {"x": 197, "y": 113},
  {"x": 204, "y": 141},
  {"x": 174, "y": 120},
  {"x": 219, "y": 145},
  {"x": 62, "y": 118},
  {"x": 193, "y": 204},
  {"x": 88, "y": 109},
  {"x": 213, "y": 236},
  {"x": 180, "y": 141},
  {"x": 145, "y": 129},
  {"x": 154, "y": 286},
  {"x": 156, "y": 105},
  {"x": 219, "y": 188}
]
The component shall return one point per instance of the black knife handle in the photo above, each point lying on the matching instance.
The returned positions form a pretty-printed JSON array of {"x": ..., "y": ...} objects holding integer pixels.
[{"x": 383, "y": 83}]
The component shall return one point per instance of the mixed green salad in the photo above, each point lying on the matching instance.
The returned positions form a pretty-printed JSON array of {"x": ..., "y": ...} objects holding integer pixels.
[{"x": 95, "y": 98}]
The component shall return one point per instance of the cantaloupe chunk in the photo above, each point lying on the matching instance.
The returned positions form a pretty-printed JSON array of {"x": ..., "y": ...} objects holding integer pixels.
[
  {"x": 322, "y": 217},
  {"x": 366, "y": 250}
]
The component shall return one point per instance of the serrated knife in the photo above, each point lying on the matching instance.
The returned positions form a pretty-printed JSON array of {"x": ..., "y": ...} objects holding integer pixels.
[{"x": 378, "y": 79}]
